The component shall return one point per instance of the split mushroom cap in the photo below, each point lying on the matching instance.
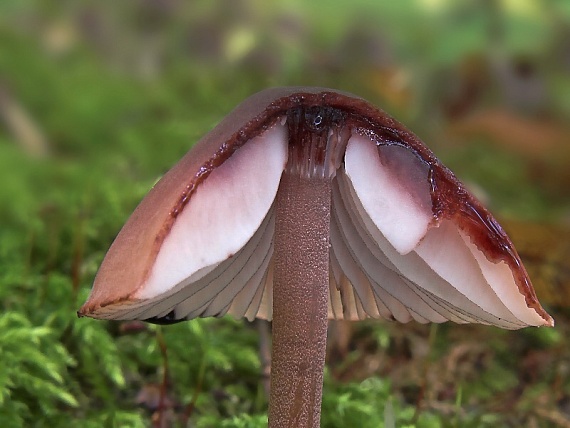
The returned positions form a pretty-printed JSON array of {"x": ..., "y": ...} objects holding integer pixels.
[{"x": 408, "y": 241}]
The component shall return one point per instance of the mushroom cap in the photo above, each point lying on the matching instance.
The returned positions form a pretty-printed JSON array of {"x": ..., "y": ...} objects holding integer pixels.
[{"x": 408, "y": 241}]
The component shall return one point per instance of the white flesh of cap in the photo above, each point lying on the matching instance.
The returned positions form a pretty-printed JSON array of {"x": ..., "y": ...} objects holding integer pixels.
[
  {"x": 221, "y": 217},
  {"x": 401, "y": 217},
  {"x": 436, "y": 273}
]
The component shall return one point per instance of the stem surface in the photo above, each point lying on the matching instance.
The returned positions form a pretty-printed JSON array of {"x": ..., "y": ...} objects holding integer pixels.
[{"x": 300, "y": 300}]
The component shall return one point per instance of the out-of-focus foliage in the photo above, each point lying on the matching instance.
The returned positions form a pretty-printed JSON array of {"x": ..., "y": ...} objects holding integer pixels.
[{"x": 99, "y": 98}]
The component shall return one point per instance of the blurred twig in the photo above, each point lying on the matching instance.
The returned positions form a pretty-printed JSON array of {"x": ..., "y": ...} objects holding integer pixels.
[
  {"x": 21, "y": 125},
  {"x": 553, "y": 416},
  {"x": 264, "y": 353},
  {"x": 164, "y": 385}
]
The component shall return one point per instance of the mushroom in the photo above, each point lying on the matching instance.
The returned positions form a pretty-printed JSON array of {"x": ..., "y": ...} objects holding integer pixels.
[{"x": 309, "y": 204}]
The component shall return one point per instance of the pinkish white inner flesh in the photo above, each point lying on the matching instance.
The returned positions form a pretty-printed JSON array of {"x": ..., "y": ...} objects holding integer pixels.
[
  {"x": 387, "y": 260},
  {"x": 439, "y": 265},
  {"x": 208, "y": 239}
]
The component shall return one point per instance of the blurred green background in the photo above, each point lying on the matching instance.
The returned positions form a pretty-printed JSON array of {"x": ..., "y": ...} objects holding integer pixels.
[{"x": 99, "y": 98}]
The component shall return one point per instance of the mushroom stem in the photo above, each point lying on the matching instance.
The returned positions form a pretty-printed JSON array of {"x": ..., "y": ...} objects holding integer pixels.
[{"x": 300, "y": 300}]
